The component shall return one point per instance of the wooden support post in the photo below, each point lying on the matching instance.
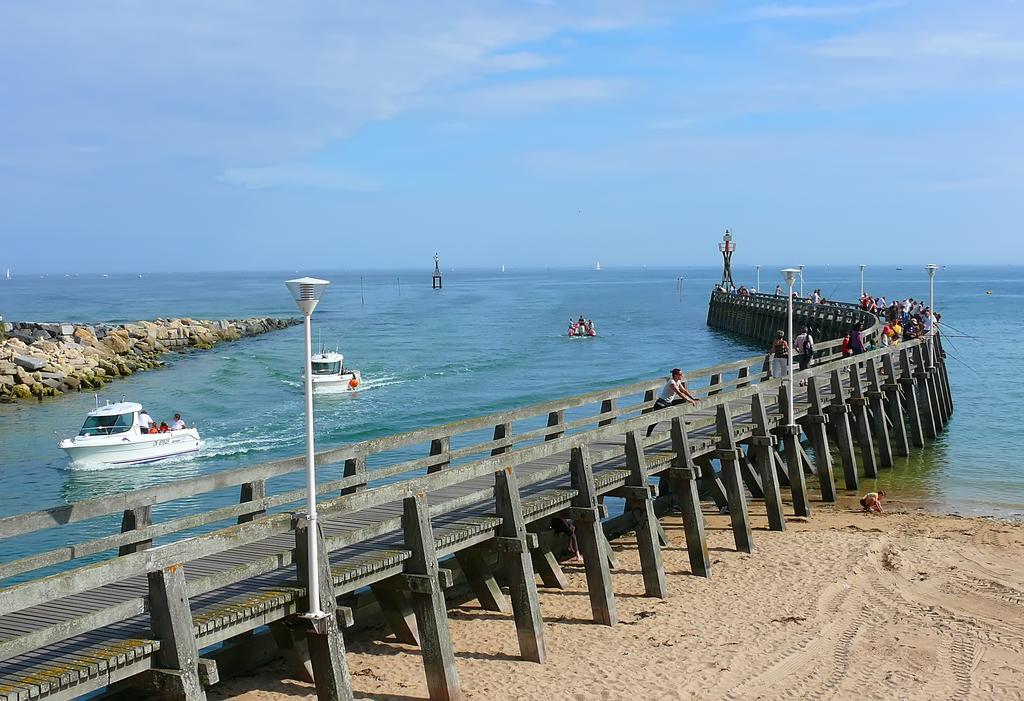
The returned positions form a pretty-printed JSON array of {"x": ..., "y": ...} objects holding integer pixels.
[
  {"x": 555, "y": 418},
  {"x": 133, "y": 520},
  {"x": 440, "y": 446},
  {"x": 728, "y": 455},
  {"x": 931, "y": 382},
  {"x": 502, "y": 431},
  {"x": 290, "y": 636},
  {"x": 875, "y": 400},
  {"x": 648, "y": 399},
  {"x": 744, "y": 377},
  {"x": 894, "y": 406},
  {"x": 749, "y": 474},
  {"x": 252, "y": 491},
  {"x": 176, "y": 670},
  {"x": 794, "y": 459},
  {"x": 481, "y": 579},
  {"x": 607, "y": 407},
  {"x": 814, "y": 427},
  {"x": 762, "y": 445},
  {"x": 860, "y": 413},
  {"x": 326, "y": 646},
  {"x": 684, "y": 487},
  {"x": 940, "y": 359},
  {"x": 839, "y": 418},
  {"x": 397, "y": 611},
  {"x": 711, "y": 483},
  {"x": 910, "y": 396},
  {"x": 606, "y": 548},
  {"x": 545, "y": 563},
  {"x": 588, "y": 534},
  {"x": 519, "y": 567},
  {"x": 642, "y": 507},
  {"x": 938, "y": 371},
  {"x": 431, "y": 613},
  {"x": 354, "y": 466},
  {"x": 924, "y": 401}
]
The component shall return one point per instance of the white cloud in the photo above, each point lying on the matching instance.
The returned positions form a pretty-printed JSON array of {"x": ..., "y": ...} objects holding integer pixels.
[
  {"x": 263, "y": 82},
  {"x": 296, "y": 175},
  {"x": 539, "y": 94},
  {"x": 923, "y": 44},
  {"x": 777, "y": 11}
]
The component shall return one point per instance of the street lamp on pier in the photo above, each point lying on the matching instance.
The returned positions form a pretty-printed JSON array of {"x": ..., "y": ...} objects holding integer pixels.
[
  {"x": 931, "y": 268},
  {"x": 862, "y": 266},
  {"x": 758, "y": 278},
  {"x": 307, "y": 292},
  {"x": 790, "y": 275},
  {"x": 801, "y": 271}
]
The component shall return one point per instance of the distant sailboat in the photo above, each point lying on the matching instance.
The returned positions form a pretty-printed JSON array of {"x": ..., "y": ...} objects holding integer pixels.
[
  {"x": 8, "y": 273},
  {"x": 598, "y": 266},
  {"x": 502, "y": 267}
]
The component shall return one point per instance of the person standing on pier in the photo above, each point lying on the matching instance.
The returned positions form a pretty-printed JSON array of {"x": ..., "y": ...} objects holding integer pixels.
[
  {"x": 780, "y": 355},
  {"x": 803, "y": 346},
  {"x": 674, "y": 392},
  {"x": 856, "y": 339}
]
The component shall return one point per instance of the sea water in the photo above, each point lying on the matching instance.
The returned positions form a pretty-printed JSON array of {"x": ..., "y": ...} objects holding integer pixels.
[{"x": 488, "y": 341}]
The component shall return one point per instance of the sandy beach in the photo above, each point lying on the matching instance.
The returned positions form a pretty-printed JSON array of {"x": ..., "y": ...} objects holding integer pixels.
[{"x": 907, "y": 605}]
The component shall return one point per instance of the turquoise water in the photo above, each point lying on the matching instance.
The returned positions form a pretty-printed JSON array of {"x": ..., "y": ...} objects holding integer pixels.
[{"x": 487, "y": 342}]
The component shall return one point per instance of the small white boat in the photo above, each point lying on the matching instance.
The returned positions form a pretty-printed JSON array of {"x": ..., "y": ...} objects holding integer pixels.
[
  {"x": 330, "y": 376},
  {"x": 598, "y": 266},
  {"x": 112, "y": 435}
]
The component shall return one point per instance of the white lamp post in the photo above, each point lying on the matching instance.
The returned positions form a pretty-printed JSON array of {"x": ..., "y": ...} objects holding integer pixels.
[
  {"x": 862, "y": 266},
  {"x": 759, "y": 279},
  {"x": 307, "y": 292},
  {"x": 801, "y": 271},
  {"x": 931, "y": 268},
  {"x": 790, "y": 275}
]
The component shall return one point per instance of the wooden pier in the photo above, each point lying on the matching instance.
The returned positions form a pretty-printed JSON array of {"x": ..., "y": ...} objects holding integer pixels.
[{"x": 403, "y": 516}]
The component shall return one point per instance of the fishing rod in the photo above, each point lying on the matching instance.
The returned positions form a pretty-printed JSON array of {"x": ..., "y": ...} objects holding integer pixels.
[
  {"x": 943, "y": 323},
  {"x": 956, "y": 358}
]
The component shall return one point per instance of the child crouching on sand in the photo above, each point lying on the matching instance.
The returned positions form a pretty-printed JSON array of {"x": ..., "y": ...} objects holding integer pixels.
[{"x": 872, "y": 501}]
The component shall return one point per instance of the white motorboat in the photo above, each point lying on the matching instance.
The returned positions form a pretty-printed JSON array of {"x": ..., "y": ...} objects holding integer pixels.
[
  {"x": 113, "y": 435},
  {"x": 330, "y": 376}
]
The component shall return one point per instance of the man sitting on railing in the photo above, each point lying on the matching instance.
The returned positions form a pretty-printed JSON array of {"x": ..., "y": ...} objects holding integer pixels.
[{"x": 674, "y": 392}]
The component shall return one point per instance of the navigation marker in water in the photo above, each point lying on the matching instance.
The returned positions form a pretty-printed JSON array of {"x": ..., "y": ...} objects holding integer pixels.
[
  {"x": 435, "y": 283},
  {"x": 727, "y": 248}
]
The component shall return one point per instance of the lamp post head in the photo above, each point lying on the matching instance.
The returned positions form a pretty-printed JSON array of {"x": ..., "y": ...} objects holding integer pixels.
[
  {"x": 306, "y": 291},
  {"x": 931, "y": 268},
  {"x": 862, "y": 266},
  {"x": 790, "y": 275}
]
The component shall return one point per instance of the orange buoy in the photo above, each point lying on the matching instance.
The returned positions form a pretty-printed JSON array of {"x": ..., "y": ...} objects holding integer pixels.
[{"x": 353, "y": 383}]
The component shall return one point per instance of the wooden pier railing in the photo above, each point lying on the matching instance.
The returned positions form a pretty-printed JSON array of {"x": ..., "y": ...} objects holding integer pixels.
[
  {"x": 759, "y": 316},
  {"x": 146, "y": 603}
]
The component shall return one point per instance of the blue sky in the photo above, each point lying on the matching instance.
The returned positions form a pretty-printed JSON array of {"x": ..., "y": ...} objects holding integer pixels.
[{"x": 254, "y": 135}]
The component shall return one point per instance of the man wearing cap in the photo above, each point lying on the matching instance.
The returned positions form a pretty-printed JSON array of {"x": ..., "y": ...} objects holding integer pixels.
[{"x": 674, "y": 392}]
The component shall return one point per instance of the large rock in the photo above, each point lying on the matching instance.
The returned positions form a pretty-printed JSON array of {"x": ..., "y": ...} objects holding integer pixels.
[
  {"x": 85, "y": 335},
  {"x": 30, "y": 363},
  {"x": 117, "y": 341},
  {"x": 6, "y": 380}
]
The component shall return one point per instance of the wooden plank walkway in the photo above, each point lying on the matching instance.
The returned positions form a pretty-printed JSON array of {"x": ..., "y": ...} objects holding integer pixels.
[{"x": 67, "y": 634}]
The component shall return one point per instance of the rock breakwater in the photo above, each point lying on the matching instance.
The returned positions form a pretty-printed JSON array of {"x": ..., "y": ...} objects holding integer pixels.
[{"x": 44, "y": 360}]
